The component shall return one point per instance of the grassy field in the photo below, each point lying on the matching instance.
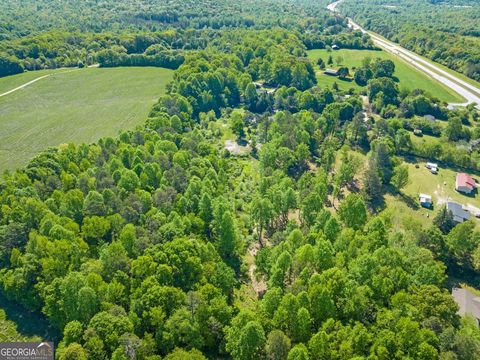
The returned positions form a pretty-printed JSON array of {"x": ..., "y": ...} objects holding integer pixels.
[
  {"x": 11, "y": 82},
  {"x": 409, "y": 77},
  {"x": 445, "y": 68},
  {"x": 77, "y": 106}
]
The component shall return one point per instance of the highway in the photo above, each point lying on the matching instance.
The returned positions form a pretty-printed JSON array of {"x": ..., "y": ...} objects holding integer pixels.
[{"x": 470, "y": 92}]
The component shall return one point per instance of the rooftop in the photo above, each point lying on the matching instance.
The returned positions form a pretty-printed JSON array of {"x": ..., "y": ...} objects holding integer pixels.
[
  {"x": 465, "y": 180},
  {"x": 425, "y": 198},
  {"x": 331, "y": 72},
  {"x": 468, "y": 302},
  {"x": 458, "y": 212}
]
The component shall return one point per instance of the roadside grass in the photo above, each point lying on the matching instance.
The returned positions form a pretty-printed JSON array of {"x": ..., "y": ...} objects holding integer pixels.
[
  {"x": 443, "y": 67},
  {"x": 78, "y": 106},
  {"x": 453, "y": 72},
  {"x": 408, "y": 76}
]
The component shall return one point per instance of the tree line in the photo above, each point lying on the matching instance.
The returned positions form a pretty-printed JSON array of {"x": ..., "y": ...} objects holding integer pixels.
[{"x": 160, "y": 38}]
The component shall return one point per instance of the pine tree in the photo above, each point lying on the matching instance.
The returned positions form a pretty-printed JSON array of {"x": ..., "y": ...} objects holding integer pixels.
[
  {"x": 372, "y": 185},
  {"x": 321, "y": 63},
  {"x": 206, "y": 212},
  {"x": 227, "y": 237},
  {"x": 444, "y": 220},
  {"x": 384, "y": 163}
]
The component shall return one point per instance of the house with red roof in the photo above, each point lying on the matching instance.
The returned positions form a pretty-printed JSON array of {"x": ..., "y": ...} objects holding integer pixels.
[{"x": 465, "y": 183}]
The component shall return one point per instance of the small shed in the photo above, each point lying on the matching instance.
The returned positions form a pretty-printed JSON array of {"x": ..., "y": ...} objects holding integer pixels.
[
  {"x": 335, "y": 47},
  {"x": 331, "y": 72},
  {"x": 418, "y": 132},
  {"x": 425, "y": 200}
]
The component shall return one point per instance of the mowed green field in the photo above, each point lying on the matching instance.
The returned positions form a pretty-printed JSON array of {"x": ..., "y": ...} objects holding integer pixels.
[
  {"x": 76, "y": 105},
  {"x": 11, "y": 82},
  {"x": 409, "y": 77}
]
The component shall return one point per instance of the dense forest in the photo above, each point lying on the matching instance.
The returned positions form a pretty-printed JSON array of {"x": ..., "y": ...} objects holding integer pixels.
[
  {"x": 46, "y": 35},
  {"x": 446, "y": 31},
  {"x": 161, "y": 243}
]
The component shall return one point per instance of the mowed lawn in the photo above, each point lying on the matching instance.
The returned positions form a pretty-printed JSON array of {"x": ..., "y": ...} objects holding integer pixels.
[
  {"x": 441, "y": 187},
  {"x": 73, "y": 106},
  {"x": 408, "y": 76}
]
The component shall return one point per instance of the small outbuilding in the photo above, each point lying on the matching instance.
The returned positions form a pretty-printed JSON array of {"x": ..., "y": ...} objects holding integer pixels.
[
  {"x": 425, "y": 201},
  {"x": 335, "y": 47},
  {"x": 331, "y": 72},
  {"x": 465, "y": 183},
  {"x": 468, "y": 303},
  {"x": 459, "y": 213}
]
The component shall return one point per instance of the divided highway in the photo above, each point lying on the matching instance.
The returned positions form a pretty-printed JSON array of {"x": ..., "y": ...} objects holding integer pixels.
[{"x": 470, "y": 92}]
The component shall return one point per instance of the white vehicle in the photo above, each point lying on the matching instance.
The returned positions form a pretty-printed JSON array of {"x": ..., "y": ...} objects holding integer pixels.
[{"x": 432, "y": 167}]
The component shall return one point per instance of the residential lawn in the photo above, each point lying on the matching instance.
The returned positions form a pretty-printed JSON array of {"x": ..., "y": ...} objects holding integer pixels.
[
  {"x": 402, "y": 215},
  {"x": 77, "y": 106},
  {"x": 404, "y": 209},
  {"x": 441, "y": 187},
  {"x": 327, "y": 81},
  {"x": 424, "y": 139},
  {"x": 408, "y": 76}
]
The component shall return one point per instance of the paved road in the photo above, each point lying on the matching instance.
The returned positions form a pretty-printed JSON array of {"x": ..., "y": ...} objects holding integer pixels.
[{"x": 470, "y": 92}]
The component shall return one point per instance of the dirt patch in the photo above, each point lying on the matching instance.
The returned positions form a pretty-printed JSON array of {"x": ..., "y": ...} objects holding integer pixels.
[
  {"x": 441, "y": 195},
  {"x": 237, "y": 148},
  {"x": 259, "y": 285}
]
